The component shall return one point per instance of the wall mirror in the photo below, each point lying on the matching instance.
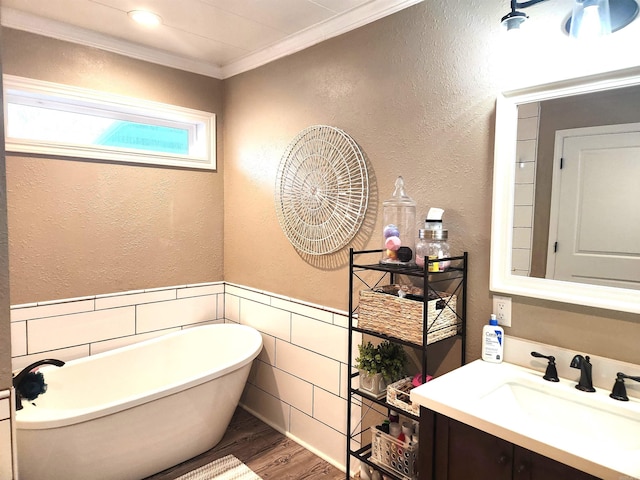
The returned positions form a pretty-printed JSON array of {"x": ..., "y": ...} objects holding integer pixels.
[{"x": 569, "y": 234}]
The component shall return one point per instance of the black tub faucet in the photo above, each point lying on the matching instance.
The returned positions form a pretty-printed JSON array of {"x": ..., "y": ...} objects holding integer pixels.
[
  {"x": 586, "y": 380},
  {"x": 28, "y": 384},
  {"x": 551, "y": 374},
  {"x": 619, "y": 391}
]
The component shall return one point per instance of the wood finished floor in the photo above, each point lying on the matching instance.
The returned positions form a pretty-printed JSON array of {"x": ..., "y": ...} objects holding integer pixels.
[{"x": 264, "y": 450}]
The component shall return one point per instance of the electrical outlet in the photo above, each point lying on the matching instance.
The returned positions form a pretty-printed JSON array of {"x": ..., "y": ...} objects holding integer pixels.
[{"x": 502, "y": 309}]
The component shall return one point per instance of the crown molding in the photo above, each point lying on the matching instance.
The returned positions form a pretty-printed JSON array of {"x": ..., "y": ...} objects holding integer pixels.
[
  {"x": 351, "y": 20},
  {"x": 18, "y": 20}
]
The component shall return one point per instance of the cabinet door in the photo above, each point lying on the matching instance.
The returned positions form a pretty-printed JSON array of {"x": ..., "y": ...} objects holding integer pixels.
[
  {"x": 528, "y": 465},
  {"x": 463, "y": 453}
]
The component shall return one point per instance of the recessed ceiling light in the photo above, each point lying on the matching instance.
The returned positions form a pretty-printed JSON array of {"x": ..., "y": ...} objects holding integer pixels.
[{"x": 145, "y": 18}]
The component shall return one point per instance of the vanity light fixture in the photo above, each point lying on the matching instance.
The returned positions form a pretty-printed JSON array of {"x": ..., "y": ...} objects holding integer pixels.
[
  {"x": 144, "y": 17},
  {"x": 589, "y": 18},
  {"x": 620, "y": 12},
  {"x": 515, "y": 18}
]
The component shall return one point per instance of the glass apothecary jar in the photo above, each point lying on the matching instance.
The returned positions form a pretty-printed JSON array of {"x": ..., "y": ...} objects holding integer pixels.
[{"x": 398, "y": 234}]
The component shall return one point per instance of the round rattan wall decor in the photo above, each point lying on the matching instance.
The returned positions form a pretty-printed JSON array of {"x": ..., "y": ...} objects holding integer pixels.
[{"x": 322, "y": 190}]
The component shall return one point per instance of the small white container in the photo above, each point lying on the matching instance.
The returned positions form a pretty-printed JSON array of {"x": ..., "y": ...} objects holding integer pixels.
[
  {"x": 492, "y": 341},
  {"x": 365, "y": 471}
]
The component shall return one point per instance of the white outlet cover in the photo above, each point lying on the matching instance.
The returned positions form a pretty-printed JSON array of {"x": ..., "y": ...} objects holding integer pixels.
[{"x": 502, "y": 314}]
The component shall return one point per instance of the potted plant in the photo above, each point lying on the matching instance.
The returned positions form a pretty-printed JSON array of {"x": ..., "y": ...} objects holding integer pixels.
[{"x": 380, "y": 365}]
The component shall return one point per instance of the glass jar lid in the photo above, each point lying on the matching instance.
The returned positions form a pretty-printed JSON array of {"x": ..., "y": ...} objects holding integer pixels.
[{"x": 433, "y": 234}]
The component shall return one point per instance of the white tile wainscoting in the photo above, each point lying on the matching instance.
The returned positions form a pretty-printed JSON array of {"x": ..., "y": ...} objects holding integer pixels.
[
  {"x": 6, "y": 437},
  {"x": 78, "y": 327},
  {"x": 526, "y": 159},
  {"x": 297, "y": 385}
]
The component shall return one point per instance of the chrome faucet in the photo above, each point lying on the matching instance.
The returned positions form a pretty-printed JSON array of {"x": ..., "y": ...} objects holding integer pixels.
[
  {"x": 619, "y": 391},
  {"x": 28, "y": 384},
  {"x": 586, "y": 382}
]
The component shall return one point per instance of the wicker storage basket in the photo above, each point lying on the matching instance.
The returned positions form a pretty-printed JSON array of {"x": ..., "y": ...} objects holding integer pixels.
[
  {"x": 398, "y": 396},
  {"x": 399, "y": 457},
  {"x": 381, "y": 310}
]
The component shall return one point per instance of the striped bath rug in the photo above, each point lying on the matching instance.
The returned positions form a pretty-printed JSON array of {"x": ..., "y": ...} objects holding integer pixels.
[{"x": 225, "y": 468}]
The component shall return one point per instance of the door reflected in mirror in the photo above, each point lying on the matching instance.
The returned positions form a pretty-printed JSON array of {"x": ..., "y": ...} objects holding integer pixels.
[
  {"x": 576, "y": 199},
  {"x": 566, "y": 193}
]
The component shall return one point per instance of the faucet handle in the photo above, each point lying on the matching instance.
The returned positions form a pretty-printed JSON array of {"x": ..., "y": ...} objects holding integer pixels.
[
  {"x": 551, "y": 374},
  {"x": 619, "y": 391}
]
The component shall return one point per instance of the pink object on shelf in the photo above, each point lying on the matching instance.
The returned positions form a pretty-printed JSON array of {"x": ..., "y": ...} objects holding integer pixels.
[
  {"x": 392, "y": 243},
  {"x": 417, "y": 379}
]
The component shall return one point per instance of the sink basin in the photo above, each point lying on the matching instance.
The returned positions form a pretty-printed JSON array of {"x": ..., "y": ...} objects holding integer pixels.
[
  {"x": 589, "y": 431},
  {"x": 576, "y": 416}
]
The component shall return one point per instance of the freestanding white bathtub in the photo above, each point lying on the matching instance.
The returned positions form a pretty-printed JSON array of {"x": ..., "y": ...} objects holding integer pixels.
[{"x": 137, "y": 410}]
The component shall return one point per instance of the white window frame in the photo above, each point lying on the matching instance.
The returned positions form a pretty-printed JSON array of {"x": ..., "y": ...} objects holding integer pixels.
[{"x": 201, "y": 125}]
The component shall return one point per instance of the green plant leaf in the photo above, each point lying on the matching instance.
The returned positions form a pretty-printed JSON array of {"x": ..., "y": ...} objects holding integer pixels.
[{"x": 387, "y": 358}]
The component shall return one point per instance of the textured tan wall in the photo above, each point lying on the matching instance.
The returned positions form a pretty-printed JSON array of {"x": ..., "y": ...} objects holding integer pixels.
[
  {"x": 88, "y": 227},
  {"x": 5, "y": 326},
  {"x": 414, "y": 111},
  {"x": 417, "y": 92}
]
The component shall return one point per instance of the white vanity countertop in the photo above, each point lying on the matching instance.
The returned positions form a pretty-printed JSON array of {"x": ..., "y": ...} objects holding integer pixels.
[{"x": 588, "y": 431}]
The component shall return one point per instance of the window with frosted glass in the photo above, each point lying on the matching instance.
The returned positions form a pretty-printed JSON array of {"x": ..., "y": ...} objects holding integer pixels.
[{"x": 45, "y": 118}]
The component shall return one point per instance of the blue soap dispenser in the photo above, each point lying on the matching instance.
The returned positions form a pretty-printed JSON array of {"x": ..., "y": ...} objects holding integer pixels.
[{"x": 492, "y": 341}]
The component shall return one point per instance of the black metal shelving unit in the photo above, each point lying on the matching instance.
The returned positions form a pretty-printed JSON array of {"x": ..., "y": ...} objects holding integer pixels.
[{"x": 365, "y": 272}]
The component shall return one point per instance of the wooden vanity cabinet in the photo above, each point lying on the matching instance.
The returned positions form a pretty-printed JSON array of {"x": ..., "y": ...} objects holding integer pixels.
[{"x": 451, "y": 450}]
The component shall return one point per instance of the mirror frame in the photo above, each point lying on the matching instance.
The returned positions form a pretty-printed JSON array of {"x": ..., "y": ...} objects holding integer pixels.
[{"x": 500, "y": 279}]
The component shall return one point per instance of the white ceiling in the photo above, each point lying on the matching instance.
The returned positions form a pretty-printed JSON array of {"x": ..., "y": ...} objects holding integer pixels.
[{"x": 218, "y": 38}]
